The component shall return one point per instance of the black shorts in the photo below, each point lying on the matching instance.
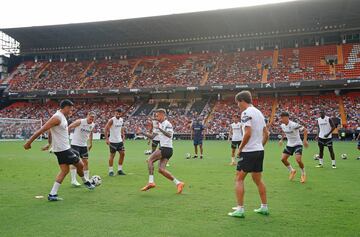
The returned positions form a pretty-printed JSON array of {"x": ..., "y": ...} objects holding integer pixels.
[
  {"x": 359, "y": 144},
  {"x": 68, "y": 157},
  {"x": 81, "y": 150},
  {"x": 291, "y": 150},
  {"x": 166, "y": 152},
  {"x": 251, "y": 161},
  {"x": 325, "y": 142},
  {"x": 235, "y": 144},
  {"x": 155, "y": 143},
  {"x": 114, "y": 147}
]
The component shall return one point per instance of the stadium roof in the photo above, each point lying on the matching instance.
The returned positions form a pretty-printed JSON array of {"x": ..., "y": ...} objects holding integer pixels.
[{"x": 308, "y": 15}]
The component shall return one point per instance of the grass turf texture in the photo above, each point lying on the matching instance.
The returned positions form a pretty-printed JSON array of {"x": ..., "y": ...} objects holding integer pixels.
[{"x": 326, "y": 205}]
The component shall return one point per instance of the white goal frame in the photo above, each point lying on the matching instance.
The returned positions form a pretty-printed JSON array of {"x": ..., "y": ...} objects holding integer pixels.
[{"x": 16, "y": 136}]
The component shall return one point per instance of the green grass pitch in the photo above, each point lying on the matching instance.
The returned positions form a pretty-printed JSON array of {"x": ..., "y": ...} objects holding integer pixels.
[{"x": 327, "y": 205}]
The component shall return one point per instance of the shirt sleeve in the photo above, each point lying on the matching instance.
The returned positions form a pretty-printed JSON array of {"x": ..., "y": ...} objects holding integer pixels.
[
  {"x": 298, "y": 126},
  {"x": 246, "y": 119},
  {"x": 169, "y": 128}
]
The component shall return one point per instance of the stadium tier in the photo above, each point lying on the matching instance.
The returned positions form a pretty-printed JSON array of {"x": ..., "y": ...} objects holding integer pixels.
[
  {"x": 217, "y": 114},
  {"x": 326, "y": 62}
]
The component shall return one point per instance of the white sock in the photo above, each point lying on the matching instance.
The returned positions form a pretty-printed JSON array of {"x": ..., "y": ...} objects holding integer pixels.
[
  {"x": 176, "y": 182},
  {"x": 333, "y": 162},
  {"x": 240, "y": 208},
  {"x": 86, "y": 174},
  {"x": 264, "y": 205},
  {"x": 151, "y": 178},
  {"x": 120, "y": 167},
  {"x": 321, "y": 161},
  {"x": 84, "y": 179},
  {"x": 290, "y": 168},
  {"x": 233, "y": 159},
  {"x": 55, "y": 188},
  {"x": 302, "y": 171},
  {"x": 73, "y": 174},
  {"x": 111, "y": 169}
]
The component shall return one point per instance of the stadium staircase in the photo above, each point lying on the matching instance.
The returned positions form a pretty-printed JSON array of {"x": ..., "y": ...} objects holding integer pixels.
[
  {"x": 265, "y": 74},
  {"x": 275, "y": 58},
  {"x": 204, "y": 79},
  {"x": 340, "y": 57},
  {"x": 45, "y": 66},
  {"x": 83, "y": 77},
  {"x": 342, "y": 111},
  {"x": 134, "y": 77},
  {"x": 210, "y": 115}
]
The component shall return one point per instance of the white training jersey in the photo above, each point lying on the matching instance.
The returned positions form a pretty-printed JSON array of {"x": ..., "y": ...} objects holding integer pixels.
[
  {"x": 115, "y": 130},
  {"x": 237, "y": 134},
  {"x": 252, "y": 117},
  {"x": 82, "y": 133},
  {"x": 324, "y": 126},
  {"x": 155, "y": 130},
  {"x": 164, "y": 140},
  {"x": 292, "y": 133},
  {"x": 60, "y": 134}
]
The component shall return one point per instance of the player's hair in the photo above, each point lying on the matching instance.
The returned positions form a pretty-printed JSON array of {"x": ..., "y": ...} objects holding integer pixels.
[
  {"x": 65, "y": 103},
  {"x": 284, "y": 114},
  {"x": 244, "y": 96},
  {"x": 161, "y": 110},
  {"x": 119, "y": 110},
  {"x": 91, "y": 113}
]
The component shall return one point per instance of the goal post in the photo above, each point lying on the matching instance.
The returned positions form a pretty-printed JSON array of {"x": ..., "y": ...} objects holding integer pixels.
[{"x": 13, "y": 129}]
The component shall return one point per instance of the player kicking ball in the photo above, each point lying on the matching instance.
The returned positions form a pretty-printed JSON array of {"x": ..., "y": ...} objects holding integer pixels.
[
  {"x": 163, "y": 155},
  {"x": 59, "y": 140},
  {"x": 115, "y": 137},
  {"x": 83, "y": 132},
  {"x": 291, "y": 131},
  {"x": 251, "y": 153}
]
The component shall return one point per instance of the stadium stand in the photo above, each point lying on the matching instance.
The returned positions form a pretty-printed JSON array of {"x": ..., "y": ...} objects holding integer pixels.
[{"x": 289, "y": 64}]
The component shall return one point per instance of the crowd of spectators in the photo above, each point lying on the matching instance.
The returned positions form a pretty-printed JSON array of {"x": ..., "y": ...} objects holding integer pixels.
[
  {"x": 216, "y": 114},
  {"x": 291, "y": 64}
]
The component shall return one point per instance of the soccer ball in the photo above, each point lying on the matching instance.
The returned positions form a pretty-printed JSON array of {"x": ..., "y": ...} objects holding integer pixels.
[
  {"x": 96, "y": 180},
  {"x": 279, "y": 136},
  {"x": 316, "y": 157},
  {"x": 343, "y": 156},
  {"x": 147, "y": 152},
  {"x": 187, "y": 155}
]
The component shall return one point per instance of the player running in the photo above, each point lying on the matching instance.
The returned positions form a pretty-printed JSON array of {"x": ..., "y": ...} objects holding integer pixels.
[
  {"x": 325, "y": 129},
  {"x": 251, "y": 153},
  {"x": 115, "y": 137},
  {"x": 164, "y": 154},
  {"x": 59, "y": 140},
  {"x": 236, "y": 136},
  {"x": 198, "y": 134},
  {"x": 155, "y": 142},
  {"x": 291, "y": 131},
  {"x": 83, "y": 131}
]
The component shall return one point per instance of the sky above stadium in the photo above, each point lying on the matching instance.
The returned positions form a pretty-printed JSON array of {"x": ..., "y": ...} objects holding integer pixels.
[{"x": 44, "y": 12}]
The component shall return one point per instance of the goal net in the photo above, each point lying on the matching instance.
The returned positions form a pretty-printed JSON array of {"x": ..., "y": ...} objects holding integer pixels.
[{"x": 12, "y": 129}]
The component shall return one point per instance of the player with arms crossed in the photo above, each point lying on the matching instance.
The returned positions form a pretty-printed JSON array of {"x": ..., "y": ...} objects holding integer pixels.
[
  {"x": 294, "y": 144},
  {"x": 325, "y": 129},
  {"x": 59, "y": 140},
  {"x": 115, "y": 136},
  {"x": 164, "y": 154},
  {"x": 83, "y": 131},
  {"x": 251, "y": 153},
  {"x": 198, "y": 134},
  {"x": 236, "y": 136}
]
